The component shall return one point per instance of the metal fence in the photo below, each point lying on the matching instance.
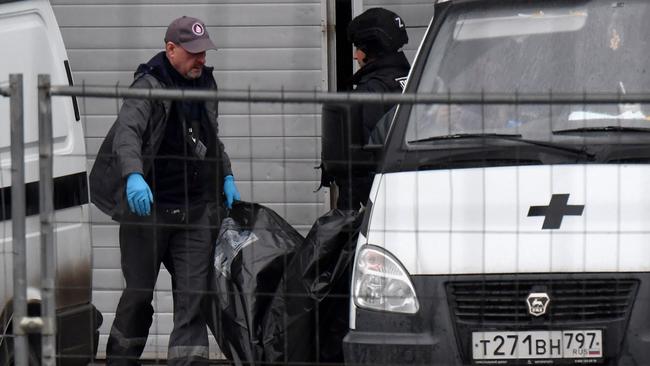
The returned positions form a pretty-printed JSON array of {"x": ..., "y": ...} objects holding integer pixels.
[{"x": 44, "y": 324}]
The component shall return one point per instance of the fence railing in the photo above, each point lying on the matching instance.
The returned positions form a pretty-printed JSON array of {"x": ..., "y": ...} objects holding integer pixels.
[
  {"x": 23, "y": 324},
  {"x": 353, "y": 98},
  {"x": 15, "y": 91}
]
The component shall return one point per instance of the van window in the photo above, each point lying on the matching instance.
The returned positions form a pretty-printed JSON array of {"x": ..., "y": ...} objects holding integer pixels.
[{"x": 535, "y": 47}]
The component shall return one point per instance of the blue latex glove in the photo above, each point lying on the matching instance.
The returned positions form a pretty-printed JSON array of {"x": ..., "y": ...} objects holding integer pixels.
[
  {"x": 230, "y": 190},
  {"x": 138, "y": 195}
]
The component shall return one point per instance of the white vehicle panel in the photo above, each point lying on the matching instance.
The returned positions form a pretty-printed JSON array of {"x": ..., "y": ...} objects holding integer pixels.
[
  {"x": 465, "y": 221},
  {"x": 30, "y": 30}
]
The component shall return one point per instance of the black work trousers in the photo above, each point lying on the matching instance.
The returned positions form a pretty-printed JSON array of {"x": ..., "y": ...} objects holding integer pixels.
[{"x": 183, "y": 245}]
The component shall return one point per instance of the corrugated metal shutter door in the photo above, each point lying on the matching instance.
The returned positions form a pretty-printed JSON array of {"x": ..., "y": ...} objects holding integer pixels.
[{"x": 263, "y": 44}]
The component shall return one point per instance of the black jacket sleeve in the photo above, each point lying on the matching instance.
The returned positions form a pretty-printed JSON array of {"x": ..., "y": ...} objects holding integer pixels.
[
  {"x": 225, "y": 167},
  {"x": 372, "y": 113}
]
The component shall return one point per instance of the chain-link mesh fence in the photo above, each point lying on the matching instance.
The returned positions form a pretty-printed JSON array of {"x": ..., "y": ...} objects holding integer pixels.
[{"x": 450, "y": 253}]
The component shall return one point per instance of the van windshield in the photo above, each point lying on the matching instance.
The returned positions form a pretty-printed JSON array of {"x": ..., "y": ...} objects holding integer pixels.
[{"x": 536, "y": 47}]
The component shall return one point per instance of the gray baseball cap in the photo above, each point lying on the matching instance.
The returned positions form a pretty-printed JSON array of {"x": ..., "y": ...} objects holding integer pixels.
[{"x": 189, "y": 33}]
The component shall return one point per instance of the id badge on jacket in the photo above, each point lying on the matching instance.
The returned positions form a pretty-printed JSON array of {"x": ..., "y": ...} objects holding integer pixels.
[{"x": 198, "y": 149}]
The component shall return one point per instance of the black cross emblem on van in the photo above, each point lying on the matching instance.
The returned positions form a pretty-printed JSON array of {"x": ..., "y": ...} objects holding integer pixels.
[{"x": 555, "y": 211}]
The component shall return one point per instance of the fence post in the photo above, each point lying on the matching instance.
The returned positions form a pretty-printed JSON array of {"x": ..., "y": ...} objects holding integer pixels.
[
  {"x": 18, "y": 211},
  {"x": 48, "y": 251}
]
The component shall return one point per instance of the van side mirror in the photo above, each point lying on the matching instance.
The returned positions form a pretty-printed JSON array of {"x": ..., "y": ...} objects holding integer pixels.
[{"x": 343, "y": 150}]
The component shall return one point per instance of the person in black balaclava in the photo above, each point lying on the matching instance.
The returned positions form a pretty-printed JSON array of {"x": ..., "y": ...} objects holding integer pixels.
[{"x": 378, "y": 36}]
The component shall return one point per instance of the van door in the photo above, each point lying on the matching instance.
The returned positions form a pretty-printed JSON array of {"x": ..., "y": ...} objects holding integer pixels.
[{"x": 32, "y": 44}]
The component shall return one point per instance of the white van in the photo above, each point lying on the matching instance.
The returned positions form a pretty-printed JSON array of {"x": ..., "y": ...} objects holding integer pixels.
[
  {"x": 513, "y": 234},
  {"x": 31, "y": 44}
]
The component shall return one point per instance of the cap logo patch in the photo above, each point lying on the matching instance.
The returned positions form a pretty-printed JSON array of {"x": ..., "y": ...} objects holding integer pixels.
[
  {"x": 399, "y": 22},
  {"x": 197, "y": 29}
]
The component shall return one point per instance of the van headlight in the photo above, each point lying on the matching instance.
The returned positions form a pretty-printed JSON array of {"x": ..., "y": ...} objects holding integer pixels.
[{"x": 381, "y": 283}]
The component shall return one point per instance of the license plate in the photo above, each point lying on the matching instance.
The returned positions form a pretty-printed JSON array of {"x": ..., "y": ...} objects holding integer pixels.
[{"x": 578, "y": 344}]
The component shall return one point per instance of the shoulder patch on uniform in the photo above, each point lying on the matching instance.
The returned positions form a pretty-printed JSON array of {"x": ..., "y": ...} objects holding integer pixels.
[{"x": 402, "y": 81}]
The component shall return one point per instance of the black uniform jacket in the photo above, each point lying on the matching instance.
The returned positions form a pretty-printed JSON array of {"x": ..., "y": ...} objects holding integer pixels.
[{"x": 384, "y": 75}]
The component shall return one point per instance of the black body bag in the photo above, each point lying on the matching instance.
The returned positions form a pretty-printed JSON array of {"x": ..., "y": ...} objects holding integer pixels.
[
  {"x": 311, "y": 306},
  {"x": 252, "y": 250}
]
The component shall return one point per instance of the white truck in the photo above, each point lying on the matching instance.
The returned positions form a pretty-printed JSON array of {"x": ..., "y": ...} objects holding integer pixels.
[
  {"x": 32, "y": 44},
  {"x": 513, "y": 233}
]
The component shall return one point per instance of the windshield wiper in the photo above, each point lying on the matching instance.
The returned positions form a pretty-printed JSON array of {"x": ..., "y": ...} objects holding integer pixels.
[
  {"x": 601, "y": 129},
  {"x": 506, "y": 137},
  {"x": 458, "y": 136}
]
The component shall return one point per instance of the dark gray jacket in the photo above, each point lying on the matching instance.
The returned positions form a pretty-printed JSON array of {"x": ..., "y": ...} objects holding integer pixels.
[{"x": 137, "y": 133}]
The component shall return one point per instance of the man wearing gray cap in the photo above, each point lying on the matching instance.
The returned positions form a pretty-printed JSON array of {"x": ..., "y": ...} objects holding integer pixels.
[{"x": 163, "y": 174}]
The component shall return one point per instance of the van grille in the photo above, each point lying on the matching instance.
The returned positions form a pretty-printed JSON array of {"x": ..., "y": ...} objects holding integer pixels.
[{"x": 571, "y": 300}]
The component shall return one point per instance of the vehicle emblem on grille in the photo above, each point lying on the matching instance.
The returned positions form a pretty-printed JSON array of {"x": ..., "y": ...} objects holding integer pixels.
[{"x": 537, "y": 303}]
